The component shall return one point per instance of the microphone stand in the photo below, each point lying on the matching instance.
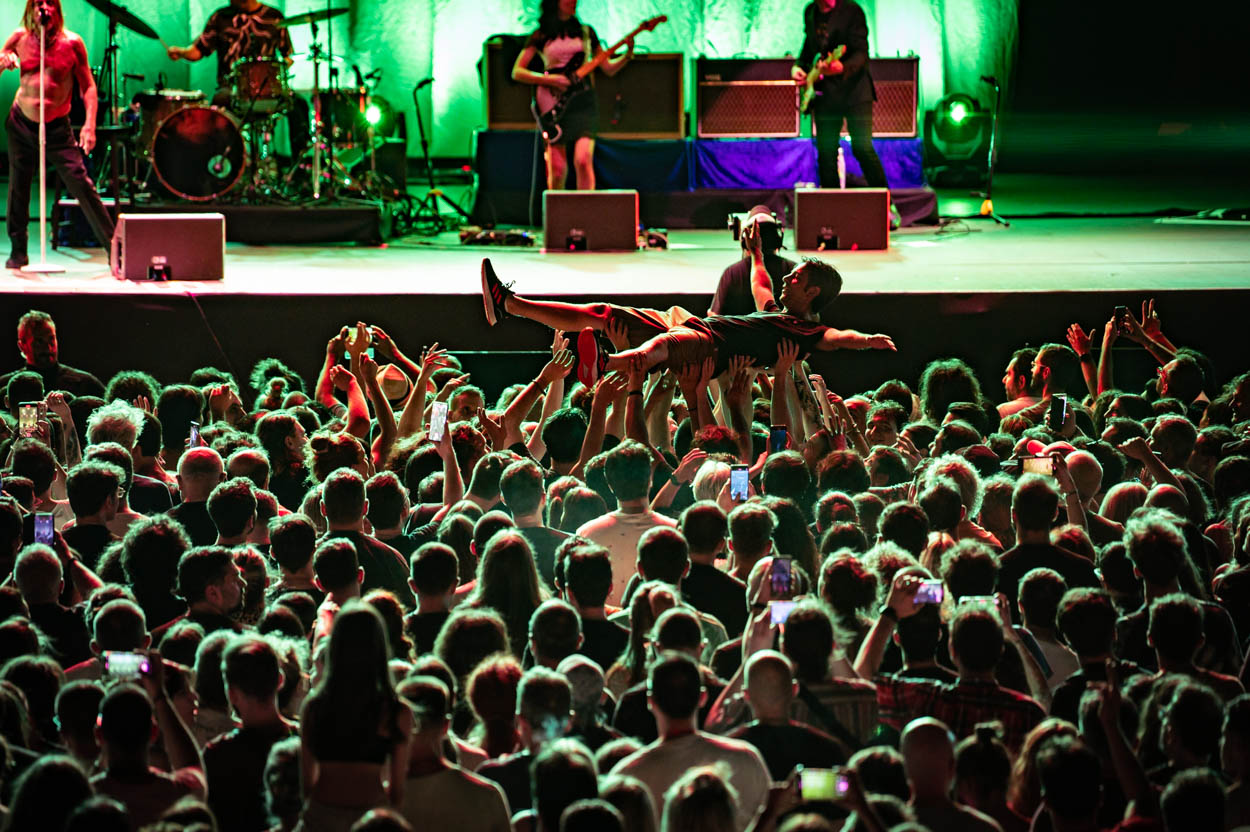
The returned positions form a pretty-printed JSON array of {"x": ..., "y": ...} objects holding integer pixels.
[
  {"x": 429, "y": 210},
  {"x": 43, "y": 266},
  {"x": 987, "y": 196}
]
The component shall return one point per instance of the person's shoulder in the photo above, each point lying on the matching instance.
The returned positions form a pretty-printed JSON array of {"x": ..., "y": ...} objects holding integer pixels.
[
  {"x": 975, "y": 819},
  {"x": 596, "y": 525},
  {"x": 852, "y": 685},
  {"x": 658, "y": 519},
  {"x": 1020, "y": 700}
]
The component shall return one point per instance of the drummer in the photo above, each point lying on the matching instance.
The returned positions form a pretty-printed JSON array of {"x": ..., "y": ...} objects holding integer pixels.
[{"x": 247, "y": 29}]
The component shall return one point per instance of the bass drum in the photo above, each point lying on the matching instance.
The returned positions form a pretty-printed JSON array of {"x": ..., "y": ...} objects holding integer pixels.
[{"x": 198, "y": 153}]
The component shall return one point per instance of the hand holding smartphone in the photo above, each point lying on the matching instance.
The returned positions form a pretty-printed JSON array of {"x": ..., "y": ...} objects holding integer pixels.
[
  {"x": 438, "y": 421},
  {"x": 823, "y": 784},
  {"x": 194, "y": 441},
  {"x": 781, "y": 577},
  {"x": 124, "y": 667},
  {"x": 45, "y": 529},
  {"x": 739, "y": 483},
  {"x": 28, "y": 419},
  {"x": 930, "y": 592}
]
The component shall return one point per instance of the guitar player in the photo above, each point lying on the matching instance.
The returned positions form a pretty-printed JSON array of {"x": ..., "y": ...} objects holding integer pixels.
[
  {"x": 559, "y": 38},
  {"x": 846, "y": 92}
]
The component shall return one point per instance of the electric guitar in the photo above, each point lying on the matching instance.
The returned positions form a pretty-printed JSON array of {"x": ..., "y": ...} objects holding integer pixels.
[
  {"x": 818, "y": 71},
  {"x": 551, "y": 103}
]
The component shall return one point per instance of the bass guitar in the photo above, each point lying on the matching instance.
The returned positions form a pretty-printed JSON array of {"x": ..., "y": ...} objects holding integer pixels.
[
  {"x": 551, "y": 103},
  {"x": 818, "y": 71}
]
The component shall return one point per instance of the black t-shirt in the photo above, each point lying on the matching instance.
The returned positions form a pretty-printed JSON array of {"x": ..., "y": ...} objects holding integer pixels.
[
  {"x": 196, "y": 522},
  {"x": 603, "y": 640},
  {"x": 423, "y": 629},
  {"x": 512, "y": 773},
  {"x": 633, "y": 717},
  {"x": 1016, "y": 562},
  {"x": 757, "y": 335},
  {"x": 403, "y": 543},
  {"x": 89, "y": 542},
  {"x": 67, "y": 631},
  {"x": 149, "y": 496},
  {"x": 234, "y": 33},
  {"x": 544, "y": 541},
  {"x": 717, "y": 593},
  {"x": 733, "y": 292},
  {"x": 1066, "y": 698},
  {"x": 159, "y": 610},
  {"x": 289, "y": 487},
  {"x": 785, "y": 746},
  {"x": 1219, "y": 639},
  {"x": 234, "y": 764},
  {"x": 61, "y": 377},
  {"x": 384, "y": 567}
]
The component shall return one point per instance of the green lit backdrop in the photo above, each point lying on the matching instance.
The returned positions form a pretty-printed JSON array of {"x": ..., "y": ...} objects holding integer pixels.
[{"x": 957, "y": 41}]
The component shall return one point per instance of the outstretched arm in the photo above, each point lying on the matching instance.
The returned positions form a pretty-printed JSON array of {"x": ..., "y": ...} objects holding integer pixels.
[
  {"x": 761, "y": 282},
  {"x": 849, "y": 339}
]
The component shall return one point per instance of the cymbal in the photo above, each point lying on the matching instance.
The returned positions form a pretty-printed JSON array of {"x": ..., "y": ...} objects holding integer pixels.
[
  {"x": 301, "y": 19},
  {"x": 124, "y": 17}
]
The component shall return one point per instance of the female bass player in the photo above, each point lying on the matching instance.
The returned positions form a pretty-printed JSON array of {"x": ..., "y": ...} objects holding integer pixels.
[{"x": 564, "y": 43}]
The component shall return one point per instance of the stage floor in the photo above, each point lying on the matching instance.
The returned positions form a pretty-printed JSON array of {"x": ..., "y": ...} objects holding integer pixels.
[{"x": 1133, "y": 254}]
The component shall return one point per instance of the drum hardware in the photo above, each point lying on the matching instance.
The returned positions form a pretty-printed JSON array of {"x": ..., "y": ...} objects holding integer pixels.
[
  {"x": 198, "y": 153},
  {"x": 428, "y": 211}
]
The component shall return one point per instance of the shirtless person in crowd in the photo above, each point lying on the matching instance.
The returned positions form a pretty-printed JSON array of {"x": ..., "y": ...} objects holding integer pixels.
[{"x": 65, "y": 61}]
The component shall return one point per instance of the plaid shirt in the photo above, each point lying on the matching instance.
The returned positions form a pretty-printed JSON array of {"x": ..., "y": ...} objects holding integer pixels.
[{"x": 961, "y": 705}]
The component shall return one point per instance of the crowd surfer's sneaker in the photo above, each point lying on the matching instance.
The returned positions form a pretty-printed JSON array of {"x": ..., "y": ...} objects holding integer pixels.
[
  {"x": 592, "y": 359},
  {"x": 494, "y": 293}
]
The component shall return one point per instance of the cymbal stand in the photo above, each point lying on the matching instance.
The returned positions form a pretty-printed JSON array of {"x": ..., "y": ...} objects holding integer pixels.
[{"x": 429, "y": 209}]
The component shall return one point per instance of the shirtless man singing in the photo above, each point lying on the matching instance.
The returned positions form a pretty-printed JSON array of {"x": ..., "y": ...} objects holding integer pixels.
[{"x": 65, "y": 61}]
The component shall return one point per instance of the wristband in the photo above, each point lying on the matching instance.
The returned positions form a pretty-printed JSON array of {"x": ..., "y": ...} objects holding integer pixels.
[
  {"x": 1086, "y": 357},
  {"x": 635, "y": 392},
  {"x": 673, "y": 479},
  {"x": 889, "y": 612}
]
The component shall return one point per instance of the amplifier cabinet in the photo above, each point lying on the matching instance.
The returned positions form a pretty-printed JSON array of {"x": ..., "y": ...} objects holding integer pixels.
[
  {"x": 746, "y": 98},
  {"x": 186, "y": 246},
  {"x": 590, "y": 221},
  {"x": 855, "y": 219}
]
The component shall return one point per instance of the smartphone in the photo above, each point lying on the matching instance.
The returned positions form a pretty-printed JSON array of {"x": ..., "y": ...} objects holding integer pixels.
[
  {"x": 195, "y": 436},
  {"x": 1058, "y": 411},
  {"x": 438, "y": 421},
  {"x": 930, "y": 592},
  {"x": 44, "y": 527},
  {"x": 822, "y": 784},
  {"x": 1121, "y": 319},
  {"x": 776, "y": 439},
  {"x": 28, "y": 419},
  {"x": 739, "y": 483},
  {"x": 781, "y": 577},
  {"x": 1038, "y": 465},
  {"x": 979, "y": 600},
  {"x": 124, "y": 667},
  {"x": 779, "y": 611}
]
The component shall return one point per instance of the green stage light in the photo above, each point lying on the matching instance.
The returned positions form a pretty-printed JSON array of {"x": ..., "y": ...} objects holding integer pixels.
[
  {"x": 958, "y": 112},
  {"x": 957, "y": 118},
  {"x": 374, "y": 115}
]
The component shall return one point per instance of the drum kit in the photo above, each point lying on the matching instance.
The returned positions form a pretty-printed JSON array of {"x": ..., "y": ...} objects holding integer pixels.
[{"x": 222, "y": 148}]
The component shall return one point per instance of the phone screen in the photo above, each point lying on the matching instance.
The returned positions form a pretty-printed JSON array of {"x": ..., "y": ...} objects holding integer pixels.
[
  {"x": 438, "y": 421},
  {"x": 822, "y": 784},
  {"x": 28, "y": 418},
  {"x": 1038, "y": 465},
  {"x": 120, "y": 666},
  {"x": 1121, "y": 318},
  {"x": 776, "y": 439},
  {"x": 779, "y": 611},
  {"x": 44, "y": 528},
  {"x": 1058, "y": 411},
  {"x": 194, "y": 441},
  {"x": 739, "y": 483},
  {"x": 781, "y": 576},
  {"x": 930, "y": 592}
]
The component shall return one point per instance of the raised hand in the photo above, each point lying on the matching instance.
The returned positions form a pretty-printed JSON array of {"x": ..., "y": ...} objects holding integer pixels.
[
  {"x": 560, "y": 365},
  {"x": 433, "y": 357},
  {"x": 368, "y": 366},
  {"x": 57, "y": 404},
  {"x": 357, "y": 346},
  {"x": 751, "y": 241},
  {"x": 342, "y": 378},
  {"x": 383, "y": 344},
  {"x": 787, "y": 354},
  {"x": 337, "y": 345},
  {"x": 881, "y": 342},
  {"x": 1078, "y": 339},
  {"x": 617, "y": 334},
  {"x": 706, "y": 372},
  {"x": 689, "y": 465},
  {"x": 559, "y": 342},
  {"x": 494, "y": 429},
  {"x": 688, "y": 376},
  {"x": 1110, "y": 332},
  {"x": 1150, "y": 323},
  {"x": 610, "y": 387},
  {"x": 1137, "y": 448}
]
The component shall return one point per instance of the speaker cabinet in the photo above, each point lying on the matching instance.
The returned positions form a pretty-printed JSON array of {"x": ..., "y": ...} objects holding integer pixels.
[
  {"x": 746, "y": 98},
  {"x": 645, "y": 100},
  {"x": 897, "y": 82},
  {"x": 590, "y": 221},
  {"x": 507, "y": 102},
  {"x": 855, "y": 219},
  {"x": 188, "y": 246}
]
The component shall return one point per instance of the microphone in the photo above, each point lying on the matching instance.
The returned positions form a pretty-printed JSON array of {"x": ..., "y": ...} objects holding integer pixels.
[
  {"x": 45, "y": 16},
  {"x": 130, "y": 76},
  {"x": 990, "y": 79},
  {"x": 360, "y": 80},
  {"x": 377, "y": 73},
  {"x": 426, "y": 82}
]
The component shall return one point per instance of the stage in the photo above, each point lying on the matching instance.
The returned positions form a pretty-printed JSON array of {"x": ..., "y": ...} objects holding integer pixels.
[{"x": 971, "y": 289}]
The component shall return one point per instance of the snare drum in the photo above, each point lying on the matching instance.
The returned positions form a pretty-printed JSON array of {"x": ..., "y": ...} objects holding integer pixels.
[
  {"x": 258, "y": 86},
  {"x": 157, "y": 105}
]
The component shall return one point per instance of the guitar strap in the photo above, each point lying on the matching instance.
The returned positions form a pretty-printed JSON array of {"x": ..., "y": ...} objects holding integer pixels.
[{"x": 833, "y": 725}]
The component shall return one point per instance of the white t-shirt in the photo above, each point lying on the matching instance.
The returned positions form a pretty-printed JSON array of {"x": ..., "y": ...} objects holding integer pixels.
[
  {"x": 664, "y": 762},
  {"x": 457, "y": 800},
  {"x": 619, "y": 534}
]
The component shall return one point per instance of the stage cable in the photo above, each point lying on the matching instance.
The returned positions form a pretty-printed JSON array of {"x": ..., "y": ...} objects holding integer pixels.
[{"x": 212, "y": 334}]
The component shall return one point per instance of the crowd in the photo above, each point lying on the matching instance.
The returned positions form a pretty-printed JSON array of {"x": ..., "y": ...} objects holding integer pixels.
[{"x": 694, "y": 590}]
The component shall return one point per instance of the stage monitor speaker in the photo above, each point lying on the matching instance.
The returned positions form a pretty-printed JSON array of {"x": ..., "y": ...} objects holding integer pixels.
[
  {"x": 590, "y": 221},
  {"x": 169, "y": 247},
  {"x": 392, "y": 161},
  {"x": 645, "y": 100},
  {"x": 746, "y": 98},
  {"x": 855, "y": 219},
  {"x": 507, "y": 102}
]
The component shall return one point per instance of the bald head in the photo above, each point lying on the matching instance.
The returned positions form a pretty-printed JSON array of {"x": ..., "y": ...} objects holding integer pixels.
[
  {"x": 199, "y": 472},
  {"x": 1086, "y": 473},
  {"x": 928, "y": 749},
  {"x": 770, "y": 685}
]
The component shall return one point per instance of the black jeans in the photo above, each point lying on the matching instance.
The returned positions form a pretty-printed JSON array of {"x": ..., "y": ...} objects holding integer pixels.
[
  {"x": 859, "y": 125},
  {"x": 67, "y": 158}
]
